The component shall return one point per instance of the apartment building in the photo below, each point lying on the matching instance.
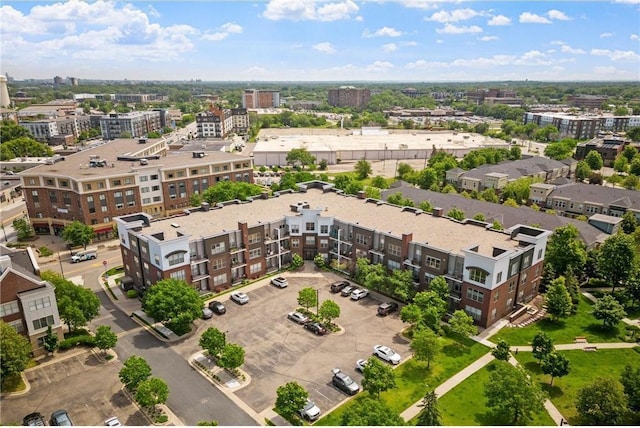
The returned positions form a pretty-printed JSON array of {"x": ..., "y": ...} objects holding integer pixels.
[
  {"x": 497, "y": 176},
  {"x": 582, "y": 127},
  {"x": 260, "y": 98},
  {"x": 608, "y": 147},
  {"x": 138, "y": 98},
  {"x": 587, "y": 102},
  {"x": 134, "y": 124},
  {"x": 489, "y": 273},
  {"x": 349, "y": 96},
  {"x": 122, "y": 177},
  {"x": 219, "y": 122},
  {"x": 27, "y": 303},
  {"x": 45, "y": 130}
]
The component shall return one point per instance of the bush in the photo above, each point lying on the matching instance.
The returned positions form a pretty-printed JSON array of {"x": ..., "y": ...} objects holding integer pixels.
[
  {"x": 132, "y": 293},
  {"x": 162, "y": 419},
  {"x": 45, "y": 252},
  {"x": 84, "y": 340}
]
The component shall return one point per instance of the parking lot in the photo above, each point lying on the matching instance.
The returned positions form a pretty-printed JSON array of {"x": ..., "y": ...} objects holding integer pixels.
[
  {"x": 279, "y": 351},
  {"x": 84, "y": 386}
]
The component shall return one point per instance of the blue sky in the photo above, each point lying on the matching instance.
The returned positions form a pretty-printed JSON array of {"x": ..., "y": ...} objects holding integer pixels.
[{"x": 322, "y": 40}]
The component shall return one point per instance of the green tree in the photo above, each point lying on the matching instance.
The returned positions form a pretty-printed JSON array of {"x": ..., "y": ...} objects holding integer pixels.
[
  {"x": 134, "y": 371},
  {"x": 440, "y": 287},
  {"x": 479, "y": 217},
  {"x": 542, "y": 345},
  {"x": 630, "y": 380},
  {"x": 213, "y": 341},
  {"x": 511, "y": 391},
  {"x": 456, "y": 214},
  {"x": 212, "y": 423},
  {"x": 594, "y": 160},
  {"x": 411, "y": 314},
  {"x": 195, "y": 200},
  {"x": 78, "y": 233},
  {"x": 380, "y": 182},
  {"x": 462, "y": 323},
  {"x": 151, "y": 392},
  {"x": 296, "y": 261},
  {"x": 601, "y": 402},
  {"x": 23, "y": 147},
  {"x": 433, "y": 308},
  {"x": 367, "y": 411},
  {"x": 23, "y": 229},
  {"x": 329, "y": 311},
  {"x": 363, "y": 169},
  {"x": 300, "y": 156},
  {"x": 291, "y": 397},
  {"x": 429, "y": 414},
  {"x": 174, "y": 303},
  {"x": 558, "y": 300},
  {"x": 425, "y": 345},
  {"x": 583, "y": 171},
  {"x": 105, "y": 338},
  {"x": 565, "y": 249},
  {"x": 307, "y": 297},
  {"x": 489, "y": 195},
  {"x": 555, "y": 365},
  {"x": 378, "y": 377},
  {"x": 617, "y": 259},
  {"x": 76, "y": 305},
  {"x": 629, "y": 223},
  {"x": 502, "y": 351},
  {"x": 50, "y": 341},
  {"x": 231, "y": 190},
  {"x": 231, "y": 357},
  {"x": 609, "y": 311},
  {"x": 621, "y": 164},
  {"x": 15, "y": 351},
  {"x": 634, "y": 133}
]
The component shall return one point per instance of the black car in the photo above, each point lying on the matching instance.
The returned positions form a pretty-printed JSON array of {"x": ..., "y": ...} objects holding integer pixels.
[
  {"x": 337, "y": 286},
  {"x": 316, "y": 328},
  {"x": 386, "y": 308},
  {"x": 60, "y": 418},
  {"x": 217, "y": 307},
  {"x": 34, "y": 419}
]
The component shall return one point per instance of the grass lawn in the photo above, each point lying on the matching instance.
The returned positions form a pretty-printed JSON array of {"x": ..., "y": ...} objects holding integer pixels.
[
  {"x": 585, "y": 368},
  {"x": 413, "y": 379},
  {"x": 465, "y": 405},
  {"x": 582, "y": 323}
]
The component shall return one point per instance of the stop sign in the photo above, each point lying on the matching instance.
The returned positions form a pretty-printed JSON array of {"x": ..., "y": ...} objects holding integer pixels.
[{"x": 104, "y": 263}]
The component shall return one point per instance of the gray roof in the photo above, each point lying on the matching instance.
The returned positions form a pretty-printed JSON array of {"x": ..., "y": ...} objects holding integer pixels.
[
  {"x": 630, "y": 199},
  {"x": 507, "y": 216},
  {"x": 516, "y": 169},
  {"x": 20, "y": 261}
]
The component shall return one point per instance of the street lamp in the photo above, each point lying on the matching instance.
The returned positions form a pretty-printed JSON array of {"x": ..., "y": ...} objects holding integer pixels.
[
  {"x": 317, "y": 302},
  {"x": 60, "y": 261}
]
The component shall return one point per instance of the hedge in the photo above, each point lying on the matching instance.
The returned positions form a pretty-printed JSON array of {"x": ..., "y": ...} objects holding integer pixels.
[{"x": 84, "y": 340}]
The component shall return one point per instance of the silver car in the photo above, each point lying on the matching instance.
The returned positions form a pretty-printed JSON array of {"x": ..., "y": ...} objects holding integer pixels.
[
  {"x": 298, "y": 317},
  {"x": 310, "y": 411}
]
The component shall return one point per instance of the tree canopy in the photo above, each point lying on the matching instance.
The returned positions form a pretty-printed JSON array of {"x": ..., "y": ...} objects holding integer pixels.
[
  {"x": 291, "y": 397},
  {"x": 565, "y": 249},
  {"x": 78, "y": 233},
  {"x": 15, "y": 351},
  {"x": 134, "y": 370},
  {"x": 173, "y": 302},
  {"x": 230, "y": 190},
  {"x": 76, "y": 305},
  {"x": 378, "y": 377},
  {"x": 601, "y": 402},
  {"x": 367, "y": 411}
]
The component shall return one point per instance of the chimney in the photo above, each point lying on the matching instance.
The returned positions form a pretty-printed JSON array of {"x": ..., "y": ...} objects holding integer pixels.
[{"x": 437, "y": 212}]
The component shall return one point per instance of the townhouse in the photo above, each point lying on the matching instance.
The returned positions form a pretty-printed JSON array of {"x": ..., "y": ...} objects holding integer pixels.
[
  {"x": 490, "y": 273},
  {"x": 608, "y": 147}
]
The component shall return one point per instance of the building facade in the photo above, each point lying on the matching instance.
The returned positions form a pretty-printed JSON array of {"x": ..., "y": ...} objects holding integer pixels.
[
  {"x": 219, "y": 123},
  {"x": 489, "y": 273},
  {"x": 349, "y": 96},
  {"x": 134, "y": 124},
  {"x": 608, "y": 147},
  {"x": 582, "y": 127},
  {"x": 260, "y": 98}
]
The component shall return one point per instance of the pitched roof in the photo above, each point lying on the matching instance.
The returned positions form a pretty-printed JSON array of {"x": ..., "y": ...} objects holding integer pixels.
[
  {"x": 629, "y": 199},
  {"x": 516, "y": 169}
]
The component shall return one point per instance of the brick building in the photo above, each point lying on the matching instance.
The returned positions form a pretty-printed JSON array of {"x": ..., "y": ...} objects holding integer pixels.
[
  {"x": 260, "y": 98},
  {"x": 349, "y": 96}
]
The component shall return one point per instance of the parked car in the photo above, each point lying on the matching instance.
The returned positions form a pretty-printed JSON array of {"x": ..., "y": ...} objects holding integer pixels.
[
  {"x": 337, "y": 286},
  {"x": 360, "y": 365},
  {"x": 310, "y": 411},
  {"x": 346, "y": 291},
  {"x": 343, "y": 382},
  {"x": 279, "y": 282},
  {"x": 60, "y": 418},
  {"x": 112, "y": 422},
  {"x": 316, "y": 328},
  {"x": 217, "y": 307},
  {"x": 81, "y": 256},
  {"x": 386, "y": 308},
  {"x": 358, "y": 294},
  {"x": 206, "y": 313},
  {"x": 34, "y": 419},
  {"x": 387, "y": 354},
  {"x": 240, "y": 298},
  {"x": 298, "y": 317}
]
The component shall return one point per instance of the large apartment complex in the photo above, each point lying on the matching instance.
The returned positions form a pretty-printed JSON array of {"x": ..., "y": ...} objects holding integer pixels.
[
  {"x": 219, "y": 122},
  {"x": 349, "y": 96},
  {"x": 260, "y": 98},
  {"x": 134, "y": 124},
  {"x": 608, "y": 147},
  {"x": 582, "y": 127},
  {"x": 213, "y": 248},
  {"x": 122, "y": 177}
]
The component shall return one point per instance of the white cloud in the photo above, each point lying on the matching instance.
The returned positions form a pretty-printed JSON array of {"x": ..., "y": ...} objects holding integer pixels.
[
  {"x": 556, "y": 14},
  {"x": 634, "y": 37},
  {"x": 422, "y": 64},
  {"x": 482, "y": 62},
  {"x": 603, "y": 35},
  {"x": 390, "y": 47},
  {"x": 616, "y": 55},
  {"x": 359, "y": 18},
  {"x": 499, "y": 20},
  {"x": 569, "y": 49},
  {"x": 324, "y": 47},
  {"x": 558, "y": 42},
  {"x": 153, "y": 11},
  {"x": 309, "y": 10},
  {"x": 439, "y": 41},
  {"x": 532, "y": 18},
  {"x": 533, "y": 58},
  {"x": 223, "y": 32},
  {"x": 488, "y": 38},
  {"x": 454, "y": 15},
  {"x": 410, "y": 43},
  {"x": 382, "y": 32},
  {"x": 380, "y": 66},
  {"x": 452, "y": 29}
]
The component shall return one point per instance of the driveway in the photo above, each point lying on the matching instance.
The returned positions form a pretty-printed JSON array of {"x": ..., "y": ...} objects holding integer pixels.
[
  {"x": 83, "y": 385},
  {"x": 280, "y": 351}
]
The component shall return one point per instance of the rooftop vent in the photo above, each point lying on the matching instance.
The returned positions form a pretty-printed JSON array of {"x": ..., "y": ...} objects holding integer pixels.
[
  {"x": 175, "y": 225},
  {"x": 144, "y": 162},
  {"x": 198, "y": 154}
]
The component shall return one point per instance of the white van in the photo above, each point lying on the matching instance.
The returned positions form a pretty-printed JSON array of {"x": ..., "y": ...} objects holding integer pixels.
[{"x": 88, "y": 254}]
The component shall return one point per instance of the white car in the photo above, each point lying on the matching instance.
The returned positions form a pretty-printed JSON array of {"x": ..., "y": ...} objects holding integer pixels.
[
  {"x": 112, "y": 422},
  {"x": 310, "y": 411},
  {"x": 240, "y": 298},
  {"x": 387, "y": 354},
  {"x": 358, "y": 294},
  {"x": 360, "y": 365},
  {"x": 298, "y": 317},
  {"x": 279, "y": 282}
]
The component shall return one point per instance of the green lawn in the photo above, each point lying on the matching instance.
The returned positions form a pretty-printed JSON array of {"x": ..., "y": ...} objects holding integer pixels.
[
  {"x": 465, "y": 405},
  {"x": 585, "y": 368},
  {"x": 582, "y": 323},
  {"x": 413, "y": 379}
]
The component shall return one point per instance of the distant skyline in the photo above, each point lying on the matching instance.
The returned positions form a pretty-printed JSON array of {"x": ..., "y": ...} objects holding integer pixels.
[{"x": 322, "y": 40}]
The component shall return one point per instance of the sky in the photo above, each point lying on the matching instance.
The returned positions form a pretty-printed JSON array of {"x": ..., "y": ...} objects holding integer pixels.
[{"x": 322, "y": 40}]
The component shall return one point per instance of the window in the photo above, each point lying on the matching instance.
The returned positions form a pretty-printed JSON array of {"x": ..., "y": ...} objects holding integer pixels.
[
  {"x": 255, "y": 268},
  {"x": 43, "y": 322},
  {"x": 496, "y": 296},
  {"x": 295, "y": 243},
  {"x": 499, "y": 278},
  {"x": 361, "y": 239},
  {"x": 175, "y": 259},
  {"x": 254, "y": 238},
  {"x": 477, "y": 275},
  {"x": 394, "y": 250},
  {"x": 131, "y": 199},
  {"x": 255, "y": 253},
  {"x": 154, "y": 177},
  {"x": 9, "y": 308},
  {"x": 218, "y": 247},
  {"x": 393, "y": 265},
  {"x": 295, "y": 228},
  {"x": 220, "y": 279},
  {"x": 475, "y": 295},
  {"x": 41, "y": 303},
  {"x": 218, "y": 264},
  {"x": 432, "y": 262},
  {"x": 539, "y": 254},
  {"x": 17, "y": 324},
  {"x": 475, "y": 313},
  {"x": 144, "y": 178},
  {"x": 115, "y": 183},
  {"x": 527, "y": 259},
  {"x": 524, "y": 278},
  {"x": 103, "y": 203},
  {"x": 310, "y": 241},
  {"x": 509, "y": 303},
  {"x": 156, "y": 199},
  {"x": 146, "y": 200},
  {"x": 324, "y": 229},
  {"x": 87, "y": 186},
  {"x": 514, "y": 269},
  {"x": 179, "y": 274},
  {"x": 144, "y": 189},
  {"x": 128, "y": 181},
  {"x": 324, "y": 243},
  {"x": 119, "y": 200},
  {"x": 64, "y": 183},
  {"x": 310, "y": 226},
  {"x": 91, "y": 204}
]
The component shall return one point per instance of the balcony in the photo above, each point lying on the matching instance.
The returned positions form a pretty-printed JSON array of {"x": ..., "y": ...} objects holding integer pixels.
[
  {"x": 412, "y": 262},
  {"x": 378, "y": 251},
  {"x": 235, "y": 250},
  {"x": 199, "y": 277}
]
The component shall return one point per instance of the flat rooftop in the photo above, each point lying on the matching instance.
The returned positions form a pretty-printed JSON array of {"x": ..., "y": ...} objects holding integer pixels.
[{"x": 438, "y": 232}]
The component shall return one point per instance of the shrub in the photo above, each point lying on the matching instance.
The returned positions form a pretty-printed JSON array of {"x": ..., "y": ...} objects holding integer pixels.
[
  {"x": 162, "y": 419},
  {"x": 45, "y": 252},
  {"x": 132, "y": 293},
  {"x": 84, "y": 340}
]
